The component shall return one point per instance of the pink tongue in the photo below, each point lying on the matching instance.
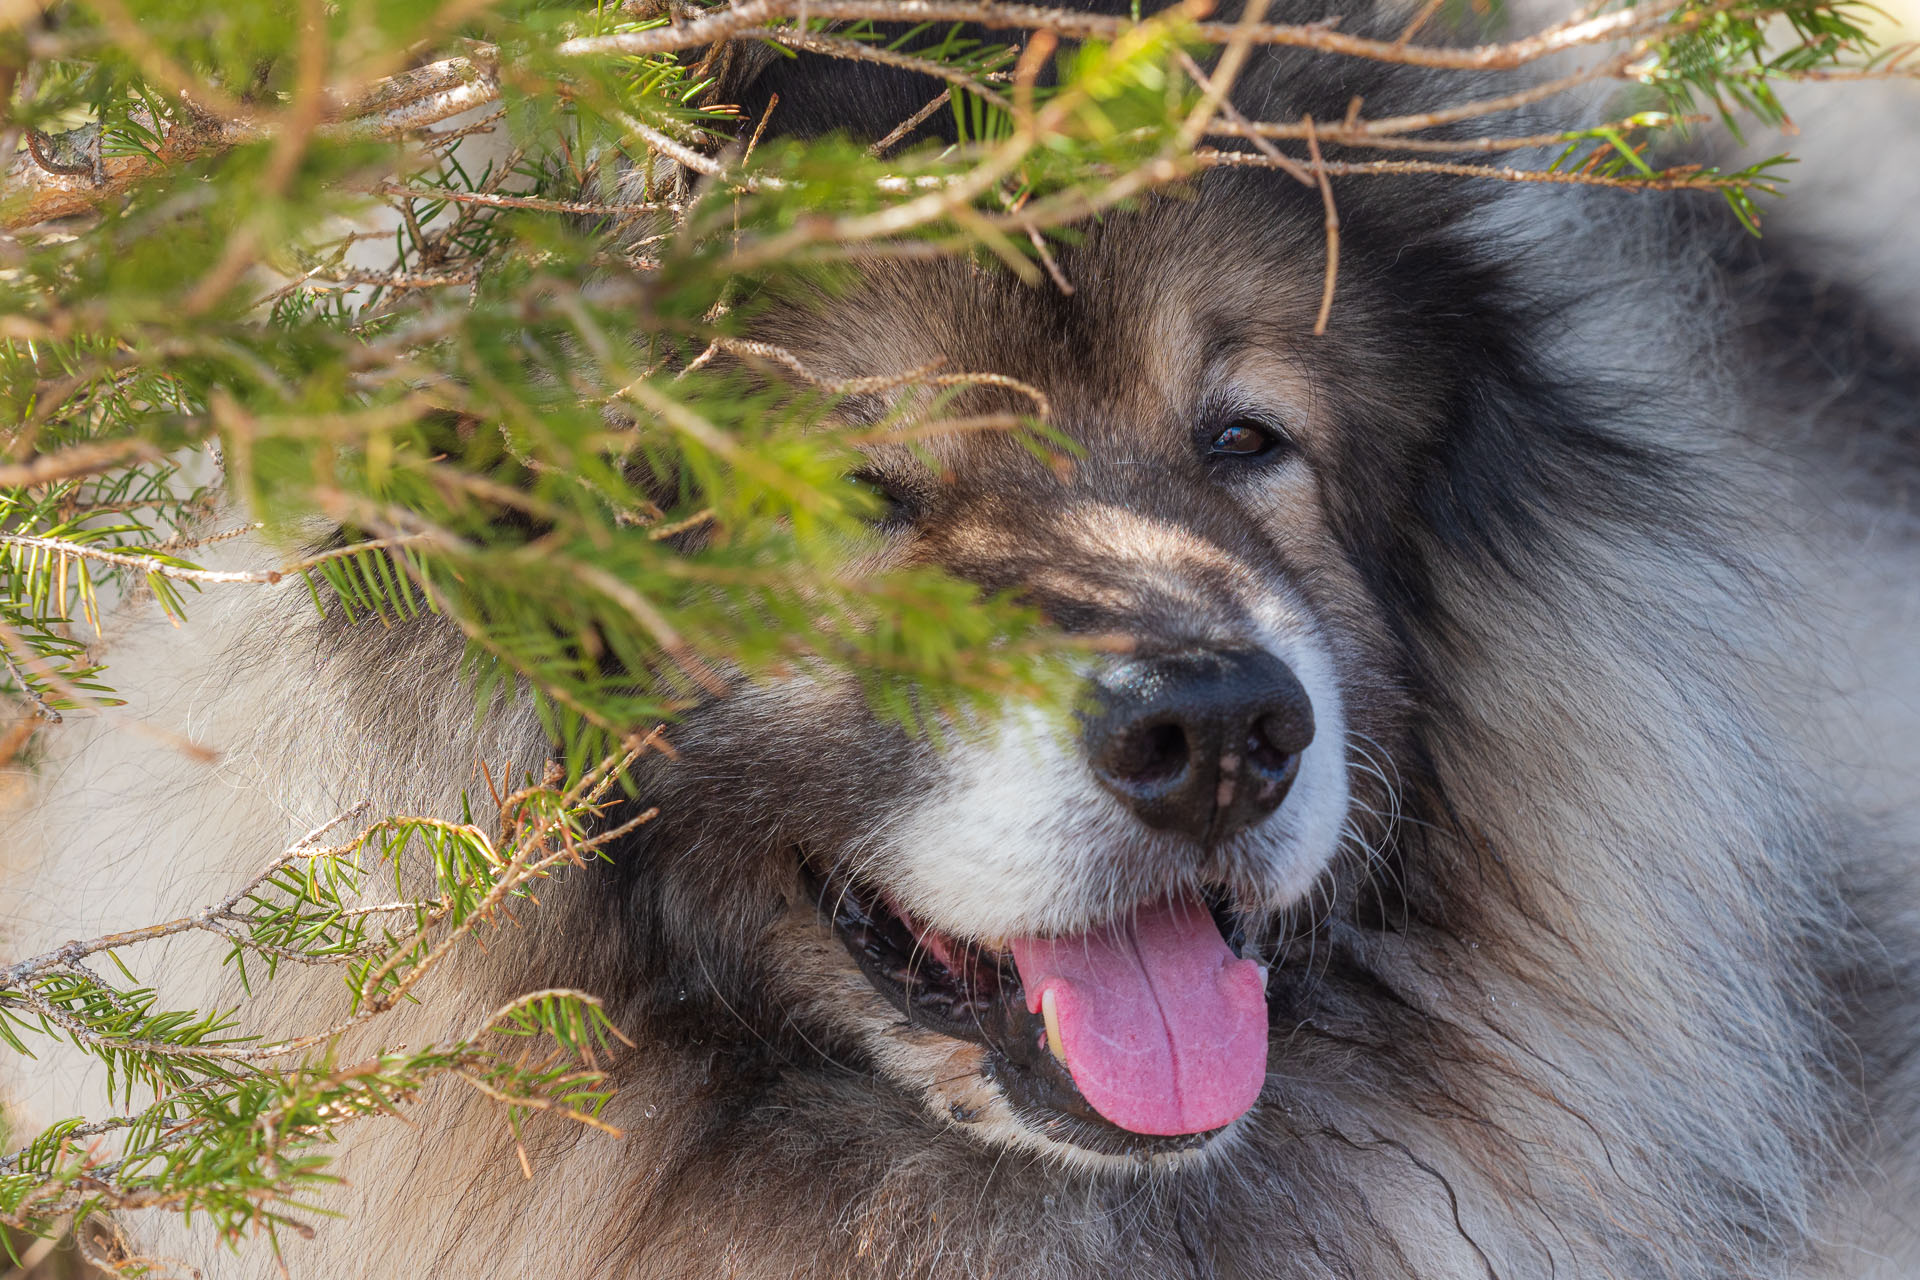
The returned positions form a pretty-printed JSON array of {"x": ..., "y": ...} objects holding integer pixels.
[{"x": 1165, "y": 1031}]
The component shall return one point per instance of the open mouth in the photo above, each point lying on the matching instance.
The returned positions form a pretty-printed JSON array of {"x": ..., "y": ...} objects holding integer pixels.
[{"x": 1146, "y": 1033}]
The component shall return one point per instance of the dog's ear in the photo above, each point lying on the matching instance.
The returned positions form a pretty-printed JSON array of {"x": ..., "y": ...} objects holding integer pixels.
[
  {"x": 808, "y": 95},
  {"x": 817, "y": 94}
]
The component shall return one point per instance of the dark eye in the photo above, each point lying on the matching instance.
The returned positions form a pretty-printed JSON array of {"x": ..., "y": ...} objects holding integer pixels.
[
  {"x": 1244, "y": 438},
  {"x": 885, "y": 505}
]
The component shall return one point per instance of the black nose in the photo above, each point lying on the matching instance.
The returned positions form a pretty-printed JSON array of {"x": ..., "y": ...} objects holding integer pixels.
[{"x": 1203, "y": 742}]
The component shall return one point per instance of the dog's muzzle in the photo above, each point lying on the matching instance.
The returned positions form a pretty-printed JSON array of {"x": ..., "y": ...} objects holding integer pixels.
[{"x": 1146, "y": 1029}]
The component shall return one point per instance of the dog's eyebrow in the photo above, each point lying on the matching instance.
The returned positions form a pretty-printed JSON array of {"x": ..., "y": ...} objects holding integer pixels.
[{"x": 1225, "y": 340}]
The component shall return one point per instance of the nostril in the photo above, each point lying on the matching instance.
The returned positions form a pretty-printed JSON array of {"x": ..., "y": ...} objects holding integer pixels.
[
  {"x": 1147, "y": 755},
  {"x": 1264, "y": 750}
]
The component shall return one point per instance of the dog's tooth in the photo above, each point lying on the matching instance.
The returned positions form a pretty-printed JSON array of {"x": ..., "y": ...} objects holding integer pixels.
[{"x": 1051, "y": 1013}]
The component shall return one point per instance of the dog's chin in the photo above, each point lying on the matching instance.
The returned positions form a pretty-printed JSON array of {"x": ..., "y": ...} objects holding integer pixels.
[
  {"x": 998, "y": 1123},
  {"x": 950, "y": 1021}
]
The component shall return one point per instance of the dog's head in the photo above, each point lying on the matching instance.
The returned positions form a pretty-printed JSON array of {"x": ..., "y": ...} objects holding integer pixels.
[{"x": 1064, "y": 935}]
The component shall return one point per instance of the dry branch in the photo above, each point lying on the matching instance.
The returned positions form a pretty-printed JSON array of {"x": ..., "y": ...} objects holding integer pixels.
[
  {"x": 1673, "y": 181},
  {"x": 1332, "y": 220},
  {"x": 838, "y": 47},
  {"x": 729, "y": 23},
  {"x": 77, "y": 462}
]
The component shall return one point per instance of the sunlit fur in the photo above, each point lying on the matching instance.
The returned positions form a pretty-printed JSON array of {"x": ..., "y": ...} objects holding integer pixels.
[{"x": 1595, "y": 550}]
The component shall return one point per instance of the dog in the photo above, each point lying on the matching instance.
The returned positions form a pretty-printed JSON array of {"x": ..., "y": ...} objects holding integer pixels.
[{"x": 1484, "y": 847}]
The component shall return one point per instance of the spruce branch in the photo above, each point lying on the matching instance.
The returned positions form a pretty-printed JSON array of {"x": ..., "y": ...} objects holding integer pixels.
[{"x": 218, "y": 1103}]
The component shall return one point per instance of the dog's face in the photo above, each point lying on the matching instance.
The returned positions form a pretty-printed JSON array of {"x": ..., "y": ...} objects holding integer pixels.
[{"x": 1063, "y": 936}]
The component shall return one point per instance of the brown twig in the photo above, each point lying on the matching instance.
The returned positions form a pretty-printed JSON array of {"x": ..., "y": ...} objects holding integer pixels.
[
  {"x": 179, "y": 82},
  {"x": 1333, "y": 231},
  {"x": 68, "y": 954},
  {"x": 360, "y": 278},
  {"x": 1045, "y": 255},
  {"x": 922, "y": 376},
  {"x": 1419, "y": 20},
  {"x": 911, "y": 123},
  {"x": 961, "y": 193},
  {"x": 1374, "y": 168},
  {"x": 490, "y": 200},
  {"x": 933, "y": 429},
  {"x": 32, "y": 192},
  {"x": 96, "y": 1188},
  {"x": 186, "y": 573},
  {"x": 1335, "y": 135},
  {"x": 1392, "y": 126},
  {"x": 303, "y": 115},
  {"x": 855, "y": 50},
  {"x": 421, "y": 84},
  {"x": 76, "y": 462},
  {"x": 1238, "y": 121}
]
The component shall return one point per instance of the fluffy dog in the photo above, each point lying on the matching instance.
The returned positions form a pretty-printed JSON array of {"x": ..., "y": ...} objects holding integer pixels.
[{"x": 1486, "y": 859}]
